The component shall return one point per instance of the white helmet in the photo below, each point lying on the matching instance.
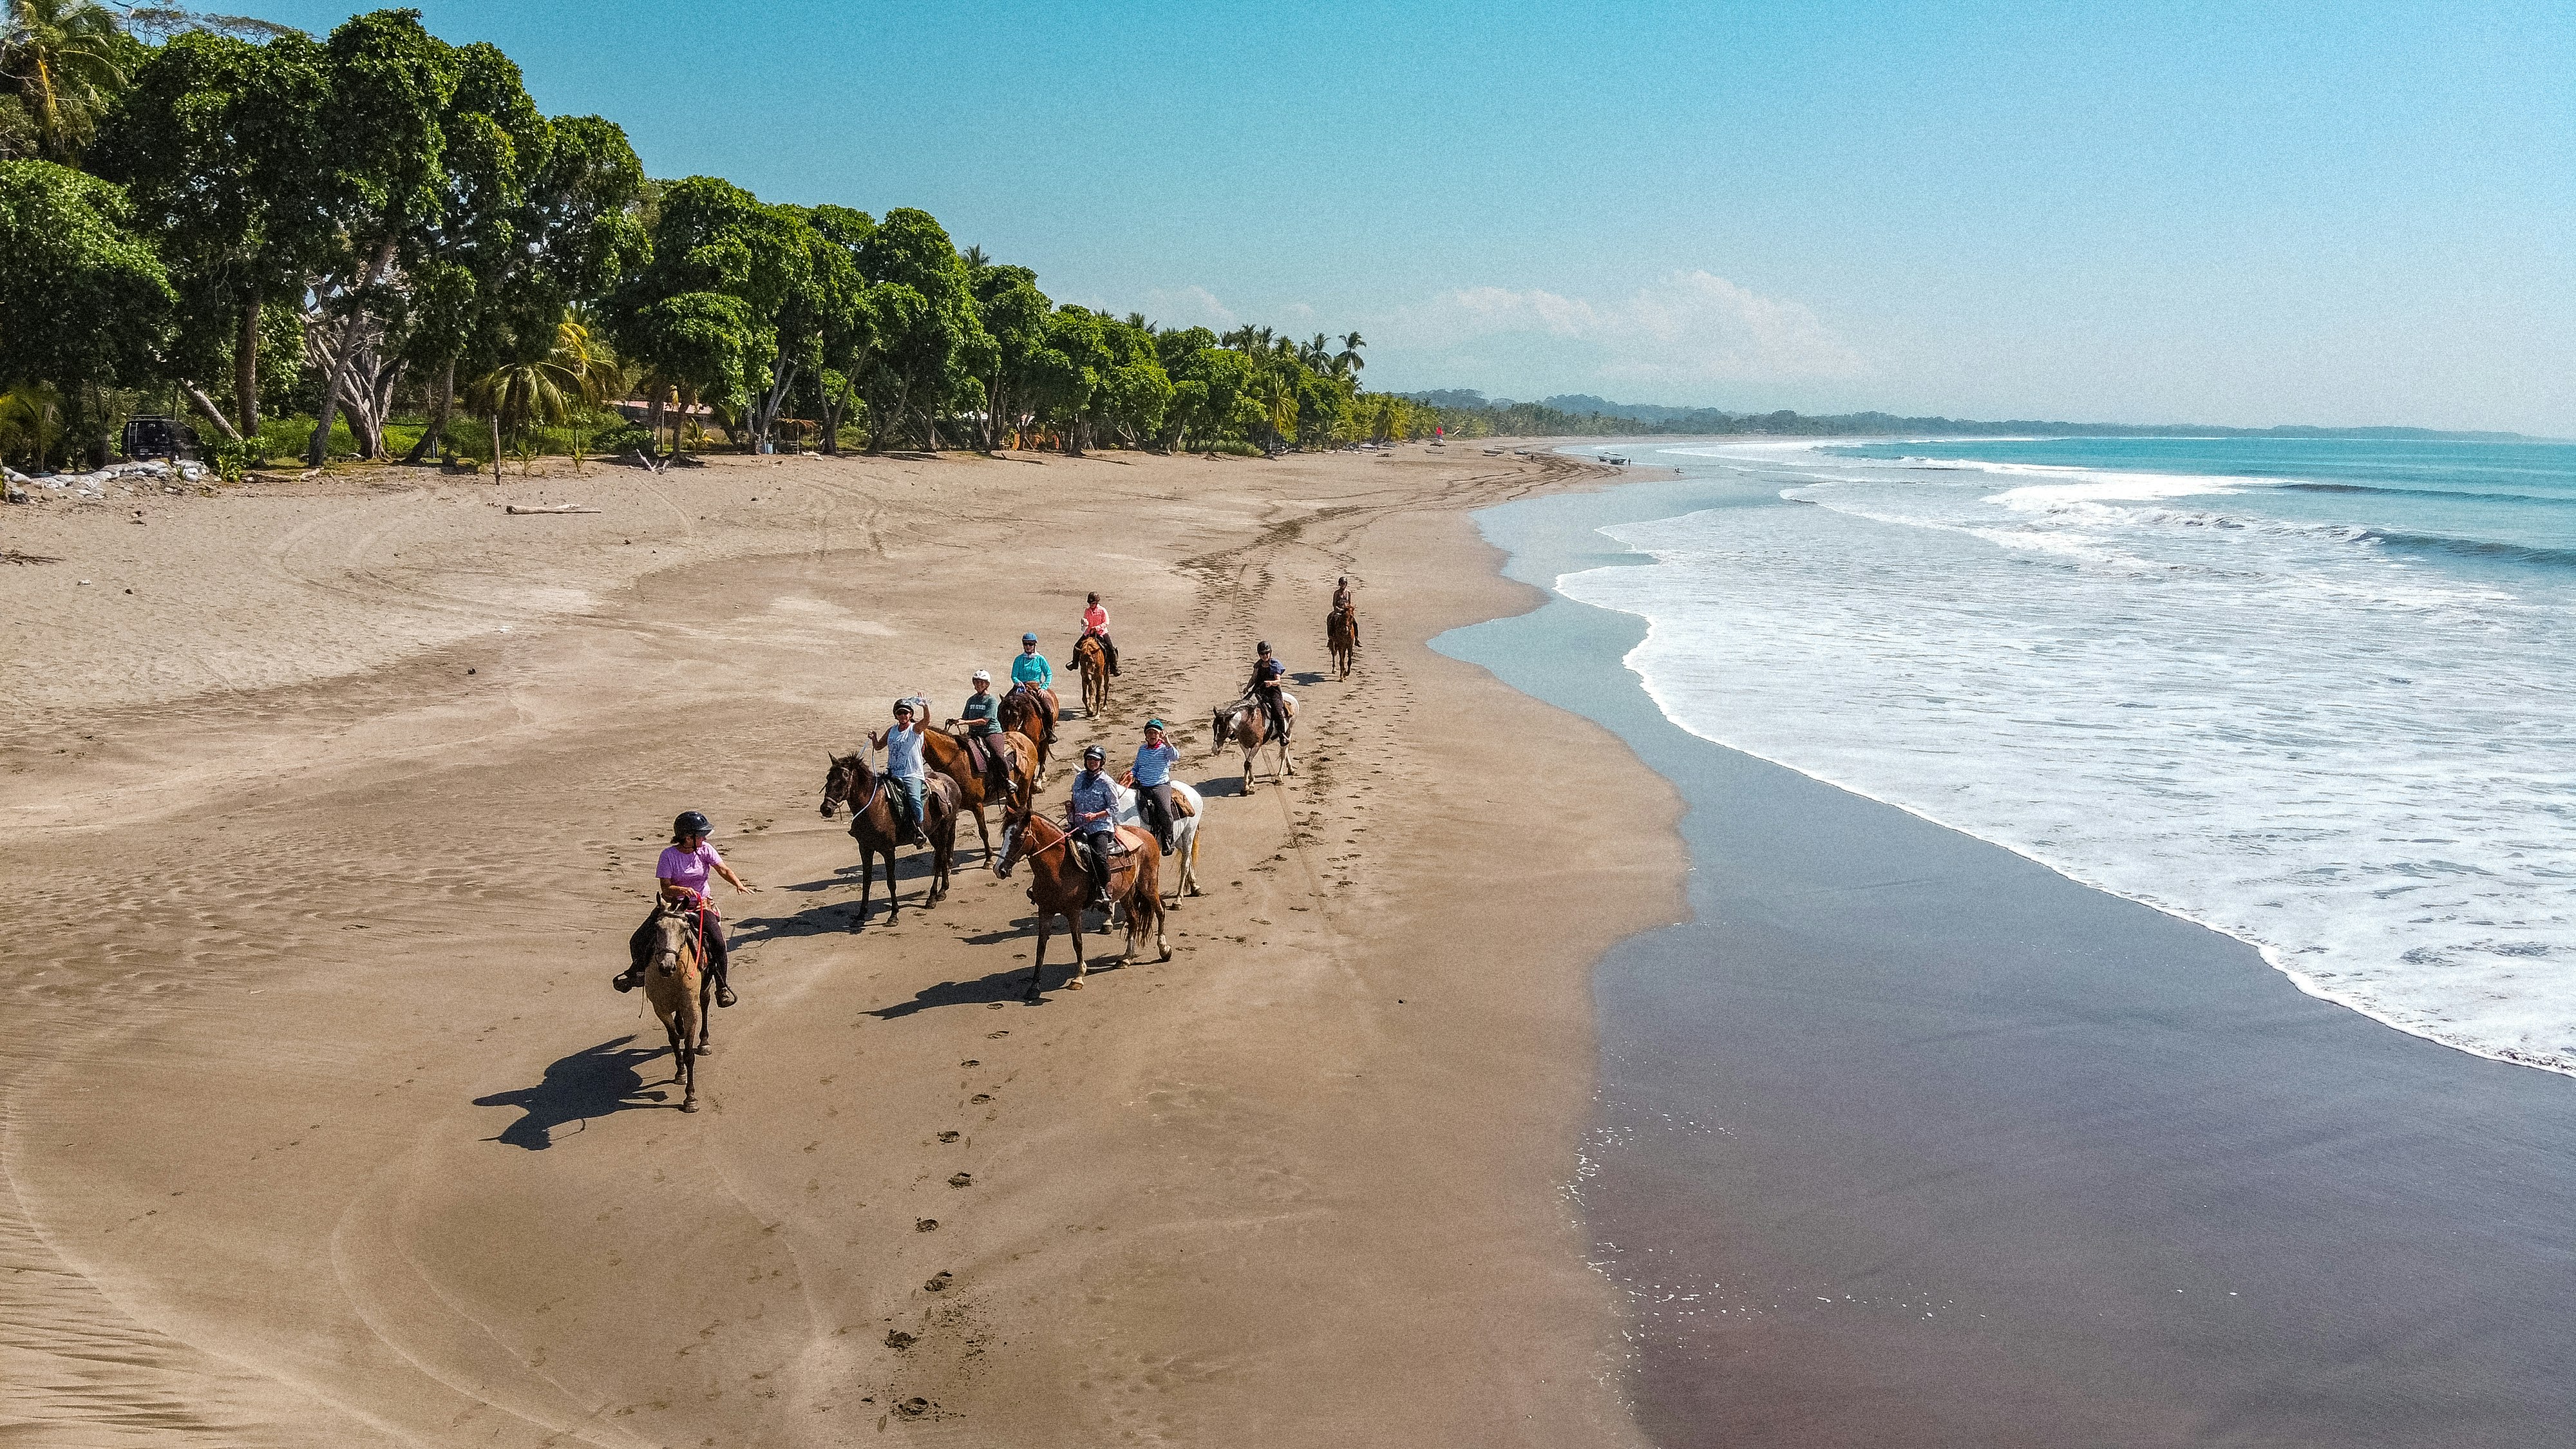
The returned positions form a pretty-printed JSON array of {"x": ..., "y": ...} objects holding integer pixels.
[{"x": 979, "y": 677}]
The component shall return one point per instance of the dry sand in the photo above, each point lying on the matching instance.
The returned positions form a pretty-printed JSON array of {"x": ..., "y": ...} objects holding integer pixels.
[{"x": 322, "y": 1127}]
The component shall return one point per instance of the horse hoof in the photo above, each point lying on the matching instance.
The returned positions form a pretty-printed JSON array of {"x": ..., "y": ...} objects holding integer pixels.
[
  {"x": 690, "y": 1105},
  {"x": 1074, "y": 985},
  {"x": 704, "y": 1048}
]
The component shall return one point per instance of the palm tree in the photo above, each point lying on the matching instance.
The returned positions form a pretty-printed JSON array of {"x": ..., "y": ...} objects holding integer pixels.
[
  {"x": 67, "y": 61},
  {"x": 580, "y": 372},
  {"x": 1348, "y": 361}
]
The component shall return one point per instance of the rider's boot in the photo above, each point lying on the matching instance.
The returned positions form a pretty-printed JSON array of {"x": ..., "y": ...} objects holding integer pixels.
[
  {"x": 628, "y": 979},
  {"x": 724, "y": 988}
]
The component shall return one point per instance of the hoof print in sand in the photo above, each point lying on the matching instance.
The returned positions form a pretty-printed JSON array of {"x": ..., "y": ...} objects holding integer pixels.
[
  {"x": 947, "y": 1136},
  {"x": 896, "y": 1338},
  {"x": 961, "y": 1179},
  {"x": 938, "y": 1282},
  {"x": 925, "y": 1225}
]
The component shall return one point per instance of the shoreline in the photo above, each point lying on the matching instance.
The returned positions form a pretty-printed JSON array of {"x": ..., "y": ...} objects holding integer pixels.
[
  {"x": 2032, "y": 1163},
  {"x": 357, "y": 1148}
]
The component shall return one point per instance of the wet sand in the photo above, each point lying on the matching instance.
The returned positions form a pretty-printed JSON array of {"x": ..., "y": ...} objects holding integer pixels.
[
  {"x": 1906, "y": 1140},
  {"x": 321, "y": 1126}
]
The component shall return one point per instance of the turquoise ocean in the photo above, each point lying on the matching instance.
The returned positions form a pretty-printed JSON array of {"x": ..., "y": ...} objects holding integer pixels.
[{"x": 2316, "y": 694}]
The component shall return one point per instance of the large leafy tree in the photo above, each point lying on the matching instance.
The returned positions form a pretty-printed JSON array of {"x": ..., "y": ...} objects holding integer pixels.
[
  {"x": 1013, "y": 313},
  {"x": 931, "y": 347},
  {"x": 83, "y": 301},
  {"x": 736, "y": 300},
  {"x": 217, "y": 144}
]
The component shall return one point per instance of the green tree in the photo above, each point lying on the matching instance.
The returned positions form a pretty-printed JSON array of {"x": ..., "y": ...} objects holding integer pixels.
[
  {"x": 931, "y": 346},
  {"x": 83, "y": 301},
  {"x": 66, "y": 62}
]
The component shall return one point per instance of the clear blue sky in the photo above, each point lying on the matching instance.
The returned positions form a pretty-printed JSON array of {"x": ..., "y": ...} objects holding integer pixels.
[{"x": 2225, "y": 212}]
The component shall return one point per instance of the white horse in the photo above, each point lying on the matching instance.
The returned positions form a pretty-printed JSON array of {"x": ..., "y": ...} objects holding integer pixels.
[{"x": 1185, "y": 835}]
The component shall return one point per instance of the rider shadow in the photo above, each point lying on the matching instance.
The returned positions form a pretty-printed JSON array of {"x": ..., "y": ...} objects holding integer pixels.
[
  {"x": 1008, "y": 985},
  {"x": 1307, "y": 676},
  {"x": 593, "y": 1082}
]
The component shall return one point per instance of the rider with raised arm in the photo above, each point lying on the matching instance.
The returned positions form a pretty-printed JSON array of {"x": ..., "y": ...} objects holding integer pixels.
[
  {"x": 682, "y": 872},
  {"x": 981, "y": 716},
  {"x": 902, "y": 743},
  {"x": 1092, "y": 818},
  {"x": 1031, "y": 672},
  {"x": 1152, "y": 777},
  {"x": 1095, "y": 621},
  {"x": 1268, "y": 685}
]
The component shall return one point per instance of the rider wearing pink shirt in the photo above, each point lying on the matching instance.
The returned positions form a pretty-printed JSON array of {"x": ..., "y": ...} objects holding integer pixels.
[
  {"x": 682, "y": 872},
  {"x": 1095, "y": 620}
]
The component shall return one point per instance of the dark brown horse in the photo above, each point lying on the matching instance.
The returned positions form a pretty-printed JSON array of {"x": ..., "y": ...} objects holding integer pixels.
[
  {"x": 872, "y": 825},
  {"x": 1342, "y": 633},
  {"x": 1059, "y": 886},
  {"x": 1093, "y": 661},
  {"x": 948, "y": 755},
  {"x": 1029, "y": 712}
]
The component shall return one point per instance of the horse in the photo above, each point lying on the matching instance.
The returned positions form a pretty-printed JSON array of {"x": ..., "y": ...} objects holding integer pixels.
[
  {"x": 1246, "y": 724},
  {"x": 947, "y": 754},
  {"x": 1093, "y": 660},
  {"x": 1342, "y": 634},
  {"x": 1029, "y": 712},
  {"x": 872, "y": 825},
  {"x": 675, "y": 981},
  {"x": 1059, "y": 886},
  {"x": 1185, "y": 834}
]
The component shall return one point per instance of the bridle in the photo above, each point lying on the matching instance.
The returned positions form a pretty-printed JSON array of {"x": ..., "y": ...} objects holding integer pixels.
[
  {"x": 692, "y": 914},
  {"x": 1012, "y": 828}
]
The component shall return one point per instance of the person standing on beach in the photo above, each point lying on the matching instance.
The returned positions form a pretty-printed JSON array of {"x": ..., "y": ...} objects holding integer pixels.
[
  {"x": 682, "y": 872},
  {"x": 1095, "y": 620}
]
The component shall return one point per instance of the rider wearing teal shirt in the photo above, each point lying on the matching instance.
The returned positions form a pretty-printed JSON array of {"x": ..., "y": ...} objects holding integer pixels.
[{"x": 1030, "y": 671}]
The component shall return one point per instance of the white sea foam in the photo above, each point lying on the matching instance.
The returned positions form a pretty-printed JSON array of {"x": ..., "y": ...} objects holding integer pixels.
[{"x": 2360, "y": 764}]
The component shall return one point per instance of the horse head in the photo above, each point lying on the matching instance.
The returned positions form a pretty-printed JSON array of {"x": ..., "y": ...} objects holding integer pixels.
[
  {"x": 675, "y": 932},
  {"x": 839, "y": 782}
]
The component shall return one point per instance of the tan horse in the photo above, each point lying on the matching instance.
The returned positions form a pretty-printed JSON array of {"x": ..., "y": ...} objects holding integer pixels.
[
  {"x": 947, "y": 754},
  {"x": 1244, "y": 724},
  {"x": 872, "y": 825},
  {"x": 1342, "y": 634},
  {"x": 1059, "y": 886},
  {"x": 675, "y": 981},
  {"x": 1093, "y": 661}
]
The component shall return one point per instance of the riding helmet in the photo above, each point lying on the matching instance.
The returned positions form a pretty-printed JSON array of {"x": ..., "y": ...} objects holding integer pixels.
[
  {"x": 690, "y": 823},
  {"x": 1095, "y": 752},
  {"x": 1261, "y": 648},
  {"x": 1154, "y": 724},
  {"x": 979, "y": 677},
  {"x": 903, "y": 706},
  {"x": 1028, "y": 638}
]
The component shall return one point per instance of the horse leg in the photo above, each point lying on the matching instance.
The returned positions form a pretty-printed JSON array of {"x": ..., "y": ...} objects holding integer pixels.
[
  {"x": 867, "y": 886},
  {"x": 706, "y": 1018},
  {"x": 1081, "y": 967},
  {"x": 1249, "y": 784},
  {"x": 983, "y": 832},
  {"x": 1038, "y": 968}
]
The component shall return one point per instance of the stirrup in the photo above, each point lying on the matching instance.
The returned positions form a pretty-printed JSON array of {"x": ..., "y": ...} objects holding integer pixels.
[
  {"x": 724, "y": 995},
  {"x": 627, "y": 980}
]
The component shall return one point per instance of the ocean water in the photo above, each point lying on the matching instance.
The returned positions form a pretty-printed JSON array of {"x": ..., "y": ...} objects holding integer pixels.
[{"x": 2315, "y": 694}]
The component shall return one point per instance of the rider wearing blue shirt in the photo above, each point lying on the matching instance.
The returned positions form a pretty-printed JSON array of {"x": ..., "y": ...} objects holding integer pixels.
[
  {"x": 1152, "y": 777},
  {"x": 1093, "y": 817},
  {"x": 1031, "y": 672}
]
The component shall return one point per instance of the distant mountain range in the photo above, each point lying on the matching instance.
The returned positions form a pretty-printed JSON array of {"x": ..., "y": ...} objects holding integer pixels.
[{"x": 1581, "y": 414}]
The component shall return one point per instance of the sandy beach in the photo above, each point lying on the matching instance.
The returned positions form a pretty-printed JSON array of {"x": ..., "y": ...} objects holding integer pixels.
[{"x": 335, "y": 801}]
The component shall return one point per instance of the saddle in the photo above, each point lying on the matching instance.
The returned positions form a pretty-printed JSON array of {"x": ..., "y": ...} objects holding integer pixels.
[{"x": 1124, "y": 845}]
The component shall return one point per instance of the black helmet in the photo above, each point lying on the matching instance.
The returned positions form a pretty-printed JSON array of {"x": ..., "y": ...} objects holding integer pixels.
[
  {"x": 1095, "y": 752},
  {"x": 689, "y": 823},
  {"x": 1261, "y": 648}
]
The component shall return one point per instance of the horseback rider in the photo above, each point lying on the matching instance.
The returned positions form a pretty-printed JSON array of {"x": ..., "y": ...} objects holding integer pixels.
[
  {"x": 1031, "y": 674},
  {"x": 1152, "y": 777},
  {"x": 902, "y": 742},
  {"x": 1268, "y": 684},
  {"x": 1095, "y": 621},
  {"x": 1092, "y": 818},
  {"x": 1342, "y": 601},
  {"x": 984, "y": 735},
  {"x": 682, "y": 871}
]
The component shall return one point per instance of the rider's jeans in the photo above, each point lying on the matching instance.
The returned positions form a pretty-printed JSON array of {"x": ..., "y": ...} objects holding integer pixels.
[{"x": 911, "y": 788}]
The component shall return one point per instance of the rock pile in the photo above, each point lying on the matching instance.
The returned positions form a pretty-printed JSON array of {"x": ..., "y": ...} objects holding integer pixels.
[{"x": 126, "y": 479}]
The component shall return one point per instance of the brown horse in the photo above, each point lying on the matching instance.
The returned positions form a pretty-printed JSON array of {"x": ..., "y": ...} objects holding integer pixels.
[
  {"x": 1342, "y": 633},
  {"x": 1244, "y": 724},
  {"x": 872, "y": 825},
  {"x": 1059, "y": 886},
  {"x": 1029, "y": 712},
  {"x": 947, "y": 754},
  {"x": 1093, "y": 660},
  {"x": 675, "y": 981}
]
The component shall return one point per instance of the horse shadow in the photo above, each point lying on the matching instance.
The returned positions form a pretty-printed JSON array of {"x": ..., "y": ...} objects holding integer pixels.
[
  {"x": 593, "y": 1082},
  {"x": 1010, "y": 984},
  {"x": 1307, "y": 676}
]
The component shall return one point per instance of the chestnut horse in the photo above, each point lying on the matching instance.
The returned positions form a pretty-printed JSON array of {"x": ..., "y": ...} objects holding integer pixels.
[
  {"x": 1059, "y": 886},
  {"x": 1093, "y": 660},
  {"x": 947, "y": 754},
  {"x": 1029, "y": 712},
  {"x": 1246, "y": 724},
  {"x": 872, "y": 825},
  {"x": 1342, "y": 634},
  {"x": 675, "y": 981}
]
